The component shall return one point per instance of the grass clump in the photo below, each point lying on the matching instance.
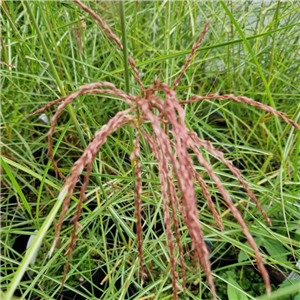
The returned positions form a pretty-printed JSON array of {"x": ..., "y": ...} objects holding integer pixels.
[{"x": 160, "y": 139}]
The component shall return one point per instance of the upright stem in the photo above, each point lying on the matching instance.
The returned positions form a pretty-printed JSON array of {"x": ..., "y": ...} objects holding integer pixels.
[
  {"x": 167, "y": 40},
  {"x": 54, "y": 72},
  {"x": 124, "y": 42},
  {"x": 273, "y": 43}
]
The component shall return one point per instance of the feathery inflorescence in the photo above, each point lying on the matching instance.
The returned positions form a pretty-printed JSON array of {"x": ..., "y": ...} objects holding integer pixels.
[{"x": 177, "y": 173}]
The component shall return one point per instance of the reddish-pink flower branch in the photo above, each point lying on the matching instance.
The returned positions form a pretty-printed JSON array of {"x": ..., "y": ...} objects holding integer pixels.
[
  {"x": 113, "y": 37},
  {"x": 138, "y": 203},
  {"x": 194, "y": 50},
  {"x": 245, "y": 100},
  {"x": 7, "y": 65}
]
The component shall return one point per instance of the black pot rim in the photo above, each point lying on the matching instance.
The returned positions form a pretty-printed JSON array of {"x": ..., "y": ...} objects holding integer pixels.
[
  {"x": 21, "y": 246},
  {"x": 92, "y": 285}
]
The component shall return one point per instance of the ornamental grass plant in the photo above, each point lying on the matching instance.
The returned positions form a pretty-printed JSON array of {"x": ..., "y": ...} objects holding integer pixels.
[{"x": 154, "y": 118}]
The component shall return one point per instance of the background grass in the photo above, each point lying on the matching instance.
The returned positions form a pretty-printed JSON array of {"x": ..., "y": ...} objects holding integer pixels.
[{"x": 251, "y": 49}]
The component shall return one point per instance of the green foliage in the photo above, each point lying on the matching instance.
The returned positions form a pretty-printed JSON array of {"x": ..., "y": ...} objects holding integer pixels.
[
  {"x": 238, "y": 283},
  {"x": 234, "y": 291},
  {"x": 291, "y": 282},
  {"x": 37, "y": 37}
]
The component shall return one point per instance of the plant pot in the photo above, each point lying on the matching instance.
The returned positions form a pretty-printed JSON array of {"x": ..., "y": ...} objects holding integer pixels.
[
  {"x": 23, "y": 243},
  {"x": 90, "y": 287},
  {"x": 221, "y": 261},
  {"x": 279, "y": 276}
]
